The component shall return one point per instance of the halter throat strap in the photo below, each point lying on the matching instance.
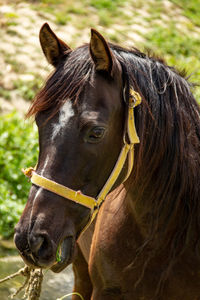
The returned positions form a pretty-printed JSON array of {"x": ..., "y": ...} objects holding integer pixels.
[{"x": 127, "y": 151}]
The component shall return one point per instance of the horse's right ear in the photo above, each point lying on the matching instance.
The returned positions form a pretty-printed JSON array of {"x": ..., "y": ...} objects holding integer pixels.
[{"x": 52, "y": 46}]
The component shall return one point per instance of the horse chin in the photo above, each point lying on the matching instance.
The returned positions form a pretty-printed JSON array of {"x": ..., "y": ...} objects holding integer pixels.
[{"x": 66, "y": 253}]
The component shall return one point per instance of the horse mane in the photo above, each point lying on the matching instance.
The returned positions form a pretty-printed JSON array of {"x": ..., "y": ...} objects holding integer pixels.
[
  {"x": 165, "y": 179},
  {"x": 166, "y": 174}
]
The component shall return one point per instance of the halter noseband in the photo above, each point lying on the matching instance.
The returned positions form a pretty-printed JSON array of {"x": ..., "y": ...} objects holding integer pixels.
[{"x": 128, "y": 150}]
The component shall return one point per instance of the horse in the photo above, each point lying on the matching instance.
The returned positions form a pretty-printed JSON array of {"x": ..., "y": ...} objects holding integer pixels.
[{"x": 143, "y": 241}]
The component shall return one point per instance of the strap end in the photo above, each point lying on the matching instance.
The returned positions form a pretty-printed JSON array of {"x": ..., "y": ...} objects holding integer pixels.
[{"x": 28, "y": 172}]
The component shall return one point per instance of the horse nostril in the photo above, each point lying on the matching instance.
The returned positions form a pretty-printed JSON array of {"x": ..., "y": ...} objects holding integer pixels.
[{"x": 35, "y": 243}]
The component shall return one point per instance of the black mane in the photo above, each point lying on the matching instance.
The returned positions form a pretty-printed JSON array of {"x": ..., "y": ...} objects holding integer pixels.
[{"x": 167, "y": 170}]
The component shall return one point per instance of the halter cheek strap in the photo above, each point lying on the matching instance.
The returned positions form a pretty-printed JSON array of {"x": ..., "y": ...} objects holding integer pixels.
[{"x": 127, "y": 151}]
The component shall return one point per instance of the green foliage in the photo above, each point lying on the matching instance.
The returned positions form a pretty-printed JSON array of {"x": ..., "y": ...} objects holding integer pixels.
[
  {"x": 104, "y": 18},
  {"x": 75, "y": 9},
  {"x": 110, "y": 5},
  {"x": 62, "y": 18},
  {"x": 28, "y": 89},
  {"x": 58, "y": 257},
  {"x": 18, "y": 149},
  {"x": 77, "y": 12},
  {"x": 10, "y": 18},
  {"x": 49, "y": 2},
  {"x": 11, "y": 15},
  {"x": 191, "y": 9},
  {"x": 107, "y": 10},
  {"x": 4, "y": 93}
]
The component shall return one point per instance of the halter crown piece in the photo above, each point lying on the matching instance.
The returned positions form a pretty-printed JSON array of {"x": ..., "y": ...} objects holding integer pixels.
[{"x": 127, "y": 151}]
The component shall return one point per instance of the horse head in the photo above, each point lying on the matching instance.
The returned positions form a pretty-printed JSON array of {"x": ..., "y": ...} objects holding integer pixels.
[{"x": 80, "y": 114}]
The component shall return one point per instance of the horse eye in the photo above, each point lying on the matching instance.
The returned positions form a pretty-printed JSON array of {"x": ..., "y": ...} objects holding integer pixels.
[{"x": 95, "y": 134}]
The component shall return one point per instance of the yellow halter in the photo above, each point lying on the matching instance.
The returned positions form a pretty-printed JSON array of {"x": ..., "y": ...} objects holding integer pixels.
[{"x": 128, "y": 150}]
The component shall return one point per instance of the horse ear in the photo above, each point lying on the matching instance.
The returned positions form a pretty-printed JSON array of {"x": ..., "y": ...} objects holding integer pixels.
[
  {"x": 100, "y": 52},
  {"x": 52, "y": 46}
]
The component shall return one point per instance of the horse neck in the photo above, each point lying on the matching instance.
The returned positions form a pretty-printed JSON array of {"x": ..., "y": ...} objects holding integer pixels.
[{"x": 164, "y": 185}]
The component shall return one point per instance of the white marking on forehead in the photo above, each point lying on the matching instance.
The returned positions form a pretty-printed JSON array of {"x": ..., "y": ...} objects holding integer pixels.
[{"x": 66, "y": 112}]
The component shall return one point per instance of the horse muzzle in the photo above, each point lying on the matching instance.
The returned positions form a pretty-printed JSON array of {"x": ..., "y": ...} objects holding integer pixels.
[{"x": 39, "y": 251}]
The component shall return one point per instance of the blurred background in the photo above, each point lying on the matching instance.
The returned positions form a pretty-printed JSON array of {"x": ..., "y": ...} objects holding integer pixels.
[{"x": 170, "y": 28}]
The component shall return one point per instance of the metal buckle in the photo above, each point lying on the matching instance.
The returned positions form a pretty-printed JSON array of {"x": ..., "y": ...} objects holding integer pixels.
[{"x": 134, "y": 99}]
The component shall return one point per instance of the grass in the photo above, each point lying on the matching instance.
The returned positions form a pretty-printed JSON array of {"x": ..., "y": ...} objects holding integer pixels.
[
  {"x": 179, "y": 49},
  {"x": 62, "y": 18},
  {"x": 79, "y": 13},
  {"x": 191, "y": 9},
  {"x": 107, "y": 4},
  {"x": 105, "y": 18}
]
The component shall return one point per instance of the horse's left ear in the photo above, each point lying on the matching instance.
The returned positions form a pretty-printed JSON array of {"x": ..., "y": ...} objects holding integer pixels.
[{"x": 100, "y": 52}]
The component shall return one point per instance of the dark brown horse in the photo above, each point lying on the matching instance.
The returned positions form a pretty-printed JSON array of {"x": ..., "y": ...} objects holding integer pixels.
[{"x": 146, "y": 241}]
